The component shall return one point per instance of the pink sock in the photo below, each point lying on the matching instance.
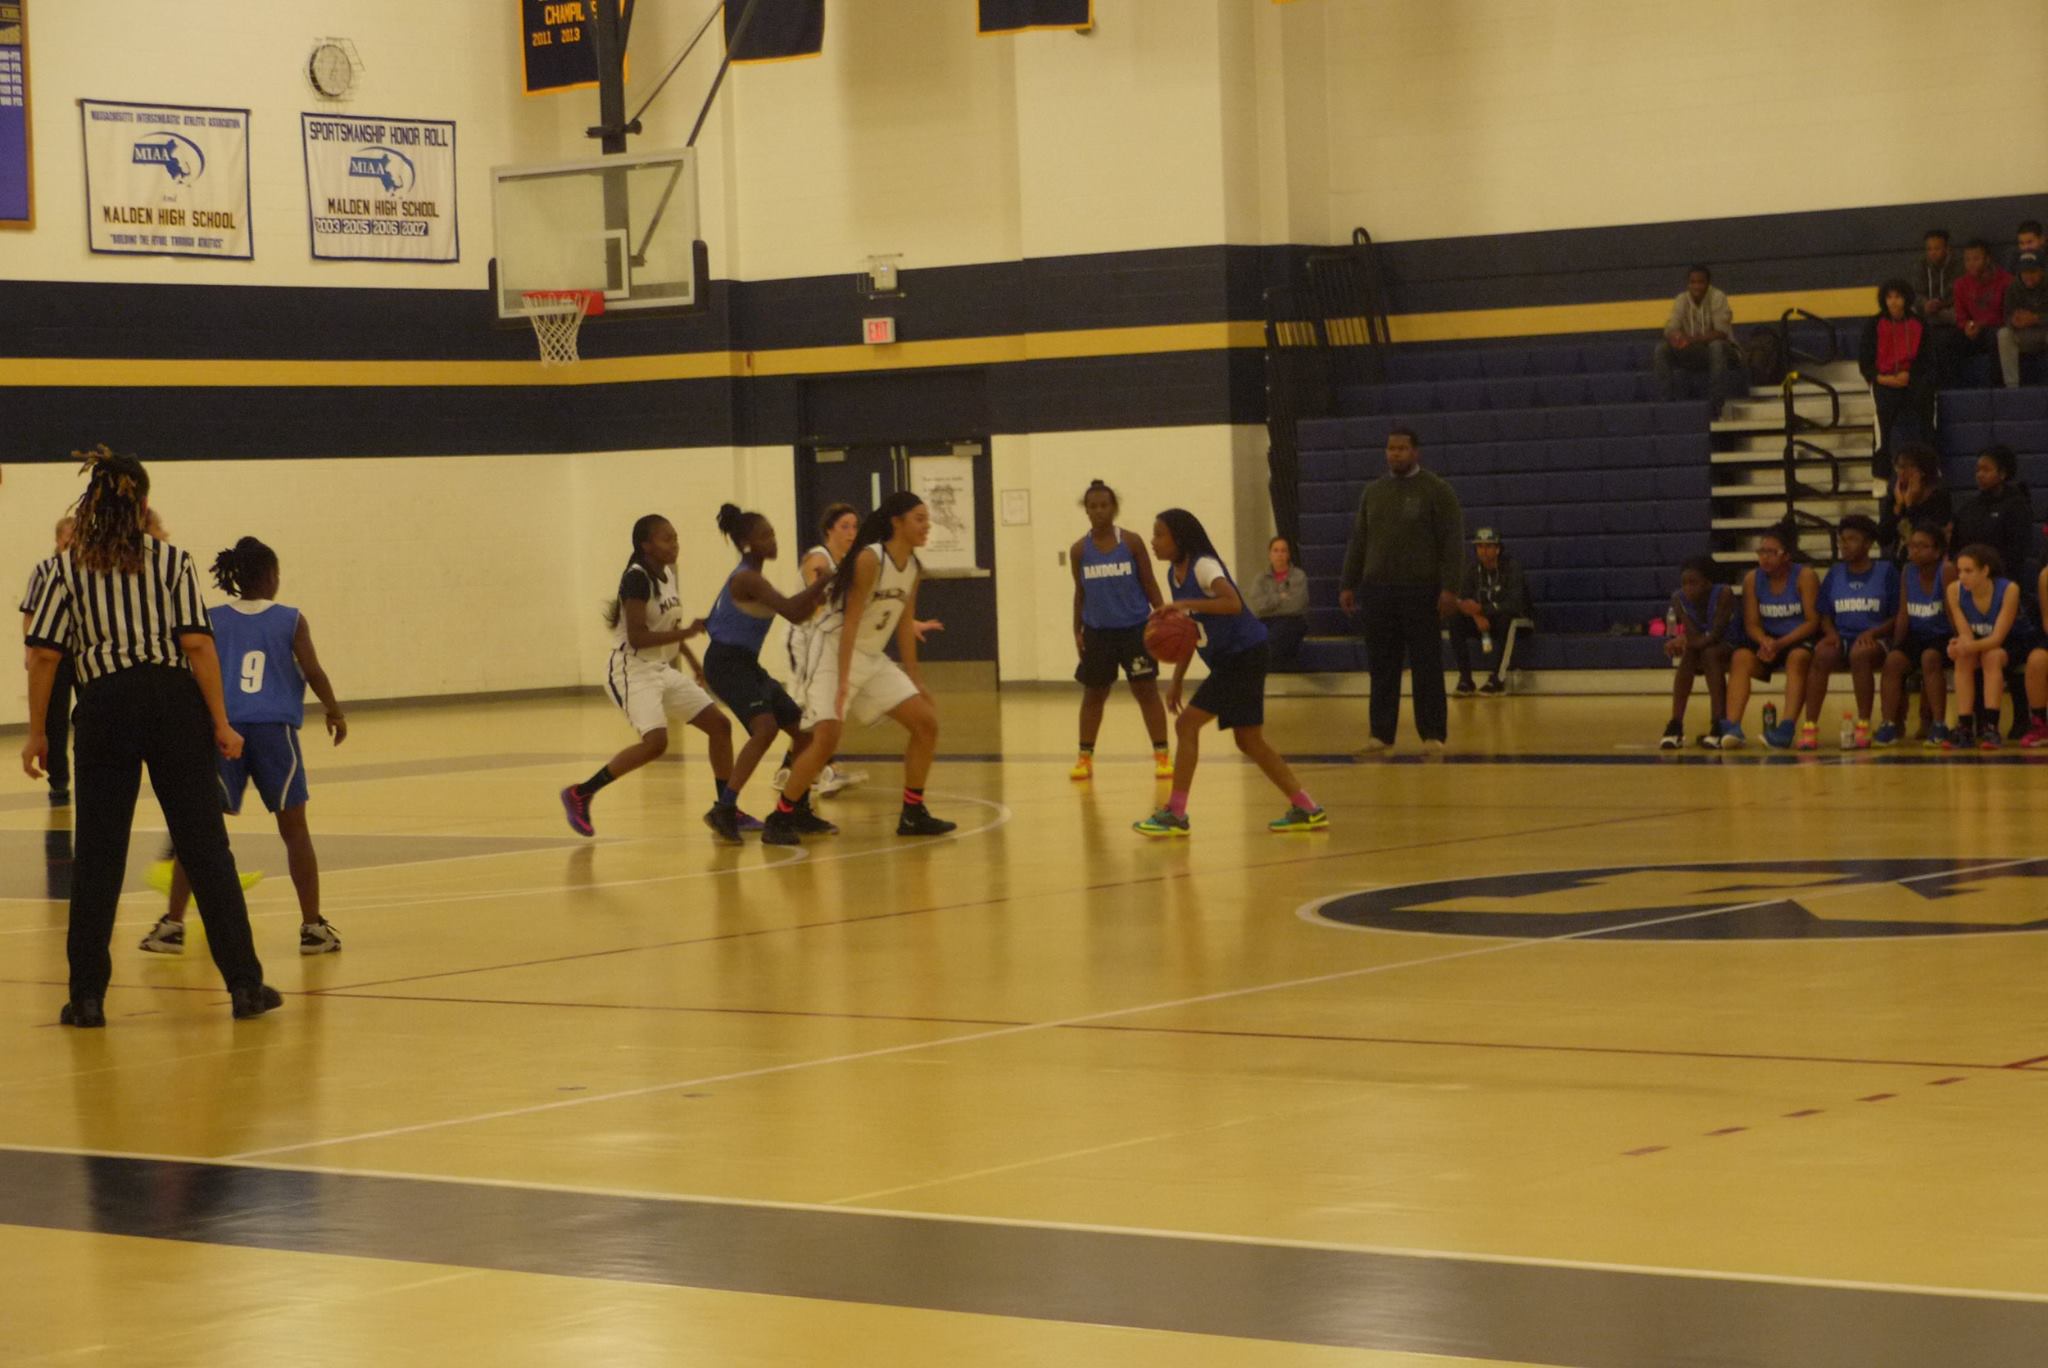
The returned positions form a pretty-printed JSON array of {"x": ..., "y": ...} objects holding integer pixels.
[
  {"x": 1178, "y": 803},
  {"x": 1303, "y": 801}
]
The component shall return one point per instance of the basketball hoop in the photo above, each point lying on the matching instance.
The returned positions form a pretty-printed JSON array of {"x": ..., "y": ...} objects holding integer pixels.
[{"x": 557, "y": 316}]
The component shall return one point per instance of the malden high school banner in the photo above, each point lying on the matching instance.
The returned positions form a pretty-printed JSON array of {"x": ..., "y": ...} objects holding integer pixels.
[
  {"x": 167, "y": 180},
  {"x": 381, "y": 189}
]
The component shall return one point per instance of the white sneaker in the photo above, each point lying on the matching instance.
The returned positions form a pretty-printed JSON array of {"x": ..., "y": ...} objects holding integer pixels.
[
  {"x": 167, "y": 937},
  {"x": 851, "y": 778},
  {"x": 1432, "y": 748},
  {"x": 781, "y": 780},
  {"x": 1373, "y": 746},
  {"x": 829, "y": 781},
  {"x": 318, "y": 938}
]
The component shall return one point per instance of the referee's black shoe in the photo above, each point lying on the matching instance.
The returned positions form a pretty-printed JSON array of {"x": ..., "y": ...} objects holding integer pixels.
[
  {"x": 89, "y": 1013},
  {"x": 918, "y": 821},
  {"x": 808, "y": 822},
  {"x": 255, "y": 1001}
]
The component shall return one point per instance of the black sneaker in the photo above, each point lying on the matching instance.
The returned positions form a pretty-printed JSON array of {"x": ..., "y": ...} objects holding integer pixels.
[
  {"x": 809, "y": 823},
  {"x": 86, "y": 1013},
  {"x": 1465, "y": 688},
  {"x": 779, "y": 829},
  {"x": 725, "y": 824},
  {"x": 577, "y": 809},
  {"x": 1674, "y": 736},
  {"x": 918, "y": 821},
  {"x": 254, "y": 1002},
  {"x": 1492, "y": 687},
  {"x": 60, "y": 797}
]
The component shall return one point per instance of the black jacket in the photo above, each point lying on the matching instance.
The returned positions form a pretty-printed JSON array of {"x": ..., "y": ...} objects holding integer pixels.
[
  {"x": 1503, "y": 592},
  {"x": 2004, "y": 521}
]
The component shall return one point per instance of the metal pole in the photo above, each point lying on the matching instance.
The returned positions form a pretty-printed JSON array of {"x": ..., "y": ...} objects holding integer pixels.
[
  {"x": 739, "y": 34},
  {"x": 677, "y": 65}
]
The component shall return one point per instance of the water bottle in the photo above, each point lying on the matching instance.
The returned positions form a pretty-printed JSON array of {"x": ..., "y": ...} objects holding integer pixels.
[
  {"x": 1770, "y": 716},
  {"x": 1848, "y": 729},
  {"x": 1672, "y": 631},
  {"x": 1486, "y": 642}
]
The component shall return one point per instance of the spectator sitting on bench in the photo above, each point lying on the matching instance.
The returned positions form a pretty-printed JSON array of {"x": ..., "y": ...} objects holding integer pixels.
[
  {"x": 2026, "y": 318},
  {"x": 2027, "y": 238},
  {"x": 1491, "y": 599},
  {"x": 1280, "y": 600},
  {"x": 1700, "y": 336}
]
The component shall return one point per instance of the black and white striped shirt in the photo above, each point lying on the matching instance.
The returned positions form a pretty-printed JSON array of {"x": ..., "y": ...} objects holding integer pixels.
[
  {"x": 35, "y": 585},
  {"x": 110, "y": 621}
]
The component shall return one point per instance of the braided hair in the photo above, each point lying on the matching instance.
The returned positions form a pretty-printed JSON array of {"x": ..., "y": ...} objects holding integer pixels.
[
  {"x": 879, "y": 527},
  {"x": 244, "y": 567},
  {"x": 643, "y": 528},
  {"x": 111, "y": 512}
]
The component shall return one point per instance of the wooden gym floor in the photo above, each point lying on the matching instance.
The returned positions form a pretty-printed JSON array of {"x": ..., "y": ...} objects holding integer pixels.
[{"x": 1555, "y": 1052}]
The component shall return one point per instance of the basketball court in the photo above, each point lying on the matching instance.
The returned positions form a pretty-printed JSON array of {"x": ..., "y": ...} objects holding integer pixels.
[
  {"x": 1551, "y": 1051},
  {"x": 1573, "y": 1057}
]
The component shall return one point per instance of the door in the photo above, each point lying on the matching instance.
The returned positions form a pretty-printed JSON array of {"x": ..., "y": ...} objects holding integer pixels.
[{"x": 958, "y": 587}]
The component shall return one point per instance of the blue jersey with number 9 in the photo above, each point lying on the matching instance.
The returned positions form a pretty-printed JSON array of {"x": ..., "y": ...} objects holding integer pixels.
[{"x": 259, "y": 673}]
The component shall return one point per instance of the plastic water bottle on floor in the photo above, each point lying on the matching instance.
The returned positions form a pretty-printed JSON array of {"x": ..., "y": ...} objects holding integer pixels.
[
  {"x": 1770, "y": 716},
  {"x": 1672, "y": 631},
  {"x": 1848, "y": 729}
]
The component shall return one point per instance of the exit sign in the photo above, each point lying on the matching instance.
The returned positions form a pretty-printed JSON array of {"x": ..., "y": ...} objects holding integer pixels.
[{"x": 877, "y": 331}]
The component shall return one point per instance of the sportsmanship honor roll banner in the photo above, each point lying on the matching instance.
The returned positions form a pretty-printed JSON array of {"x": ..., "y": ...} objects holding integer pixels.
[
  {"x": 381, "y": 189},
  {"x": 167, "y": 180}
]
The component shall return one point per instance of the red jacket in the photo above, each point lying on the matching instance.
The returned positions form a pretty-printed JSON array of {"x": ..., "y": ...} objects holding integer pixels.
[
  {"x": 1897, "y": 344},
  {"x": 1982, "y": 301}
]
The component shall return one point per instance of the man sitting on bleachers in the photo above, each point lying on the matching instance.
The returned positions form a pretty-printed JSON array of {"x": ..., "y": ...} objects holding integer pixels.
[
  {"x": 1700, "y": 336},
  {"x": 1980, "y": 301},
  {"x": 2026, "y": 313}
]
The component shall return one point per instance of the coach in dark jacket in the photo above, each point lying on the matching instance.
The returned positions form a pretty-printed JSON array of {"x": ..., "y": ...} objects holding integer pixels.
[{"x": 1401, "y": 576}]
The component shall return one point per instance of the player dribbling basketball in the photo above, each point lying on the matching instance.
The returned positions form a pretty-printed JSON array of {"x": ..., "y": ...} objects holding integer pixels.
[{"x": 1233, "y": 646}]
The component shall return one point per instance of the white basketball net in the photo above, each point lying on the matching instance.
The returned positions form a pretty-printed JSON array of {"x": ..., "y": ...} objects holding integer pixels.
[{"x": 557, "y": 318}]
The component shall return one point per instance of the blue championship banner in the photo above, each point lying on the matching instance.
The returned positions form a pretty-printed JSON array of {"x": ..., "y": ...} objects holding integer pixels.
[
  {"x": 166, "y": 180},
  {"x": 381, "y": 189},
  {"x": 17, "y": 195}
]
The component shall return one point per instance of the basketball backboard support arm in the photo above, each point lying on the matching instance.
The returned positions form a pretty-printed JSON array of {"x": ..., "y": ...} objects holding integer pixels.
[{"x": 739, "y": 34}]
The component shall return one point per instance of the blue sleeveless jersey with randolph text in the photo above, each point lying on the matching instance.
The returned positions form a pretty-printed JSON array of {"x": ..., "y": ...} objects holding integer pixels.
[
  {"x": 729, "y": 626},
  {"x": 1860, "y": 601},
  {"x": 1222, "y": 637},
  {"x": 1112, "y": 595}
]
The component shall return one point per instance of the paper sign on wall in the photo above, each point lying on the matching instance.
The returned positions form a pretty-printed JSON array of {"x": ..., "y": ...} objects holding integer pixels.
[
  {"x": 167, "y": 180},
  {"x": 381, "y": 189},
  {"x": 946, "y": 484}
]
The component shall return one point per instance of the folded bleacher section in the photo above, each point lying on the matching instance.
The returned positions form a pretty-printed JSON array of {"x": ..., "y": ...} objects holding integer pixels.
[
  {"x": 1971, "y": 420},
  {"x": 1598, "y": 489}
]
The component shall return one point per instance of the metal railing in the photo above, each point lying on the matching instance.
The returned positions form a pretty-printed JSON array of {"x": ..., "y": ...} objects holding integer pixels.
[{"x": 1798, "y": 447}]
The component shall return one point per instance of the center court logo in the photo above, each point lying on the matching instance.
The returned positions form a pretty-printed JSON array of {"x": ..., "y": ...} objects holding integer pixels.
[
  {"x": 178, "y": 156},
  {"x": 393, "y": 171},
  {"x": 1740, "y": 900}
]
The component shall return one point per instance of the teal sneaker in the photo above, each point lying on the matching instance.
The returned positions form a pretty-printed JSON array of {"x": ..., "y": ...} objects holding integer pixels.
[
  {"x": 1165, "y": 822},
  {"x": 1300, "y": 819}
]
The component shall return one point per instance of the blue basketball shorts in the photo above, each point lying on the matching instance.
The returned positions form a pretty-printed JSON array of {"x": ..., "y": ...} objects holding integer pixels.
[{"x": 272, "y": 759}]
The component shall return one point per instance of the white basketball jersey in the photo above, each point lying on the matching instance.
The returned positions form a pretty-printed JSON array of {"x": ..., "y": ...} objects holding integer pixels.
[
  {"x": 889, "y": 602},
  {"x": 664, "y": 614}
]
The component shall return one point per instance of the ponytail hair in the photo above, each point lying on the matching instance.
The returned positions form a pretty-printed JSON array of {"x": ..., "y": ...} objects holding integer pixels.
[
  {"x": 643, "y": 528},
  {"x": 1115, "y": 504},
  {"x": 111, "y": 512},
  {"x": 1190, "y": 538},
  {"x": 832, "y": 514},
  {"x": 1986, "y": 557},
  {"x": 243, "y": 566},
  {"x": 736, "y": 525},
  {"x": 879, "y": 526}
]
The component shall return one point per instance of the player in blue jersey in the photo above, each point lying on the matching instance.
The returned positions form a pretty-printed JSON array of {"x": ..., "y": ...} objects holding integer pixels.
[
  {"x": 1984, "y": 606},
  {"x": 1920, "y": 637},
  {"x": 1114, "y": 595},
  {"x": 1233, "y": 645},
  {"x": 1780, "y": 619},
  {"x": 1859, "y": 607},
  {"x": 268, "y": 662},
  {"x": 738, "y": 625},
  {"x": 1709, "y": 628}
]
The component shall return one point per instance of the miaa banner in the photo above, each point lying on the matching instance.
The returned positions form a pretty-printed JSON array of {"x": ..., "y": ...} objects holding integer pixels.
[
  {"x": 167, "y": 180},
  {"x": 381, "y": 189}
]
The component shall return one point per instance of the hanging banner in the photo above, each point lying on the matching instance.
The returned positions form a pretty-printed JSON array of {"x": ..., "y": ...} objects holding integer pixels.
[
  {"x": 381, "y": 189},
  {"x": 560, "y": 45},
  {"x": 167, "y": 180},
  {"x": 777, "y": 30},
  {"x": 1016, "y": 16},
  {"x": 17, "y": 192}
]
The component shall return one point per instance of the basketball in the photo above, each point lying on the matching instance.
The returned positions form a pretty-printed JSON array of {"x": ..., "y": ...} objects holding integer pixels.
[{"x": 1171, "y": 637}]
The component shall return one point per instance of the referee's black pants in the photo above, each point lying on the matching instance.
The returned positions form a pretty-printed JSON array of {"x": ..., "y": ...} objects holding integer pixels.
[
  {"x": 1402, "y": 629},
  {"x": 151, "y": 715}
]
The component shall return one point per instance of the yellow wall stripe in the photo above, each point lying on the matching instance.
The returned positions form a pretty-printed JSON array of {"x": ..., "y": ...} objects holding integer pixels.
[{"x": 1466, "y": 325}]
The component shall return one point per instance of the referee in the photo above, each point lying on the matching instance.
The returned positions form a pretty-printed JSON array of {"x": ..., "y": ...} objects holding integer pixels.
[
  {"x": 126, "y": 607},
  {"x": 60, "y": 692}
]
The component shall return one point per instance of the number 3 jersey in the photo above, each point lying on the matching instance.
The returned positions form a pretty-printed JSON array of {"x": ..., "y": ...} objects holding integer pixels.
[{"x": 259, "y": 673}]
